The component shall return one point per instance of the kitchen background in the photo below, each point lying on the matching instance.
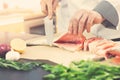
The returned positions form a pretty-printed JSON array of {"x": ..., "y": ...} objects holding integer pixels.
[
  {"x": 25, "y": 15},
  {"x": 21, "y": 16}
]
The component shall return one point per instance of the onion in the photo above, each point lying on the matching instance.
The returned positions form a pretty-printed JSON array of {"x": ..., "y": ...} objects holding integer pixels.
[
  {"x": 12, "y": 55},
  {"x": 4, "y": 48}
]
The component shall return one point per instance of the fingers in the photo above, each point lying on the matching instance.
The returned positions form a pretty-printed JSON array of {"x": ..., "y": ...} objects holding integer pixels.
[
  {"x": 79, "y": 22},
  {"x": 82, "y": 23},
  {"x": 98, "y": 19},
  {"x": 84, "y": 20},
  {"x": 43, "y": 6},
  {"x": 74, "y": 26},
  {"x": 55, "y": 4},
  {"x": 70, "y": 28},
  {"x": 89, "y": 22},
  {"x": 50, "y": 8}
]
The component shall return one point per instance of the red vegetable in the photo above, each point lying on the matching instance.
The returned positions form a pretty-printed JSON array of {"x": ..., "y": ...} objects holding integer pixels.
[{"x": 4, "y": 48}]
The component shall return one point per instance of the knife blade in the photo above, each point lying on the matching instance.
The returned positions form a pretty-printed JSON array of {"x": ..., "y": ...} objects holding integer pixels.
[{"x": 49, "y": 30}]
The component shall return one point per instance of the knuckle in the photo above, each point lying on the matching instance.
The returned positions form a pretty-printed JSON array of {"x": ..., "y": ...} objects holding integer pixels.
[
  {"x": 81, "y": 22},
  {"x": 88, "y": 23}
]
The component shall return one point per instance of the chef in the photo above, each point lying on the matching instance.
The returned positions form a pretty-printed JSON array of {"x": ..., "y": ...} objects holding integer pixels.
[{"x": 100, "y": 17}]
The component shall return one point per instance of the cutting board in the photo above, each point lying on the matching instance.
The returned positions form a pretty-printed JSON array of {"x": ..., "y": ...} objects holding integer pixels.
[
  {"x": 55, "y": 54},
  {"x": 34, "y": 74},
  {"x": 52, "y": 53}
]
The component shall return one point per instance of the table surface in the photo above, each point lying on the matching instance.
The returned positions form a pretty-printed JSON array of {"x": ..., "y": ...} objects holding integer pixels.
[{"x": 54, "y": 54}]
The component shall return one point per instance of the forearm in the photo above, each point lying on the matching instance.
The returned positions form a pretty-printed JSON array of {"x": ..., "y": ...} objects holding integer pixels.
[{"x": 108, "y": 12}]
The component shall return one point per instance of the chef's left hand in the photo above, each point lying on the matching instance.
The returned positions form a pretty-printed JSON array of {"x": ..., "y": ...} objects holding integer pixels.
[{"x": 83, "y": 20}]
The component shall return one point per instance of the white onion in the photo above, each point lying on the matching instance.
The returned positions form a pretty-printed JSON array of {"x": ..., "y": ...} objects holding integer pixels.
[{"x": 12, "y": 55}]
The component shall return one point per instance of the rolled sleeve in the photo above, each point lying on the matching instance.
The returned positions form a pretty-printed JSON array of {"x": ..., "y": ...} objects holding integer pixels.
[{"x": 107, "y": 10}]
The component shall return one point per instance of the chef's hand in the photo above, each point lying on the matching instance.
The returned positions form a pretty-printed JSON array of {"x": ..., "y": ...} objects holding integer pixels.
[
  {"x": 83, "y": 20},
  {"x": 48, "y": 7}
]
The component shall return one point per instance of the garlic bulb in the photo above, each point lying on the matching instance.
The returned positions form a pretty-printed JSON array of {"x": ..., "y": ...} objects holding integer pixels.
[{"x": 12, "y": 55}]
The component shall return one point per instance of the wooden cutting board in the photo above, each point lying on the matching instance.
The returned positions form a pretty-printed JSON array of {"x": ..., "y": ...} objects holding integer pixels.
[{"x": 55, "y": 54}]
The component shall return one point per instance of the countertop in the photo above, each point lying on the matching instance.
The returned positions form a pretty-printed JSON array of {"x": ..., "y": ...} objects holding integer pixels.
[{"x": 54, "y": 54}]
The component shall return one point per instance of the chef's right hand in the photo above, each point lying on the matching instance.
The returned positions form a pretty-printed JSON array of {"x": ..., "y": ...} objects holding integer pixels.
[{"x": 48, "y": 7}]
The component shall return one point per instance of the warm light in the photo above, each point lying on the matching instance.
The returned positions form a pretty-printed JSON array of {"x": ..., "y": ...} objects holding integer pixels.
[{"x": 26, "y": 4}]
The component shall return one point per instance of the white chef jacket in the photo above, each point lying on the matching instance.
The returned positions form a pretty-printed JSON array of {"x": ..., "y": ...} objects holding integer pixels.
[{"x": 104, "y": 7}]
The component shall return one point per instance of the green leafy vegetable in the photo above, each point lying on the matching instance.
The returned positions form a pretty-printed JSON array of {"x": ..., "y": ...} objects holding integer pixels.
[
  {"x": 82, "y": 70},
  {"x": 18, "y": 65}
]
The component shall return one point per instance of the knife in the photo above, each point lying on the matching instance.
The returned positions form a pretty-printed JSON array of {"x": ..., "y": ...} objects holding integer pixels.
[{"x": 49, "y": 30}]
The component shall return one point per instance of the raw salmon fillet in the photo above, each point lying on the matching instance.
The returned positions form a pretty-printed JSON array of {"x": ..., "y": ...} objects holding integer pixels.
[
  {"x": 99, "y": 46},
  {"x": 70, "y": 42},
  {"x": 87, "y": 42},
  {"x": 103, "y": 48}
]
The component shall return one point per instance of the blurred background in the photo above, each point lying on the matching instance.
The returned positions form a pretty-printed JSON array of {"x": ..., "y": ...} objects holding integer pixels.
[
  {"x": 21, "y": 16},
  {"x": 25, "y": 4},
  {"x": 25, "y": 16}
]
